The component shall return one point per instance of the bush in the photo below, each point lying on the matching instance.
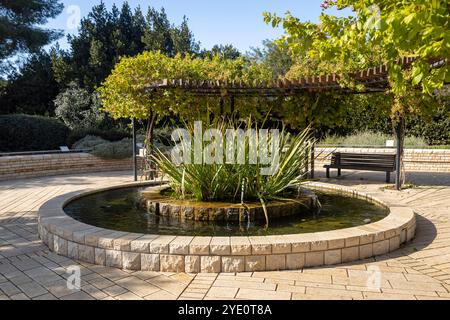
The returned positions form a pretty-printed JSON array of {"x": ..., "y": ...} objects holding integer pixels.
[
  {"x": 79, "y": 108},
  {"x": 19, "y": 132},
  {"x": 367, "y": 138},
  {"x": 110, "y": 135},
  {"x": 435, "y": 130},
  {"x": 88, "y": 142},
  {"x": 114, "y": 150}
]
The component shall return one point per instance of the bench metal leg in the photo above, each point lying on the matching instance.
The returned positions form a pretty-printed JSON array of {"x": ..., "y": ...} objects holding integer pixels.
[
  {"x": 339, "y": 172},
  {"x": 328, "y": 172},
  {"x": 388, "y": 176}
]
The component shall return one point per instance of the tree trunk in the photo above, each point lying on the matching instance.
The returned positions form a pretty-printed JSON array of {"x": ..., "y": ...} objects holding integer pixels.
[
  {"x": 149, "y": 163},
  {"x": 313, "y": 157},
  {"x": 400, "y": 138}
]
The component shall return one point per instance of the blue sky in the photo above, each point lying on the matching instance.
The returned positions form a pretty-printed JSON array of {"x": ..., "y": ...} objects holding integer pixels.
[{"x": 236, "y": 22}]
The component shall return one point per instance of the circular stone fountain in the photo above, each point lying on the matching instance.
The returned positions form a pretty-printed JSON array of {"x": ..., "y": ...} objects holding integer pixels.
[{"x": 164, "y": 248}]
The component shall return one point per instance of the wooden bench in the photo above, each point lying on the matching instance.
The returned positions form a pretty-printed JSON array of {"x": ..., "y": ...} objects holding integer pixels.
[{"x": 362, "y": 161}]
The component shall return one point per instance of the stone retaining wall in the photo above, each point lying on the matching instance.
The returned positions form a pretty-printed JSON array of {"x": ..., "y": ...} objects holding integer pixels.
[
  {"x": 190, "y": 254},
  {"x": 17, "y": 167},
  {"x": 427, "y": 160}
]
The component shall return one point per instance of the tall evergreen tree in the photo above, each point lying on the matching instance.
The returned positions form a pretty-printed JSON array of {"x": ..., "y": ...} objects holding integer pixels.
[
  {"x": 183, "y": 39},
  {"x": 227, "y": 51},
  {"x": 19, "y": 31},
  {"x": 32, "y": 88},
  {"x": 157, "y": 34},
  {"x": 105, "y": 36}
]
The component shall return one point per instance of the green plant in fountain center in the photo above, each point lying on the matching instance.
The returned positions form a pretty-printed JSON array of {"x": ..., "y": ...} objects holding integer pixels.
[{"x": 241, "y": 182}]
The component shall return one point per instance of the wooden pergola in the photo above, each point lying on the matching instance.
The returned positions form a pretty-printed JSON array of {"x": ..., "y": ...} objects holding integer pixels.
[{"x": 372, "y": 79}]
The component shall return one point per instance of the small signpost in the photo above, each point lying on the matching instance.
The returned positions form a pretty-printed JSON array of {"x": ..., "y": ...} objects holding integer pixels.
[{"x": 390, "y": 143}]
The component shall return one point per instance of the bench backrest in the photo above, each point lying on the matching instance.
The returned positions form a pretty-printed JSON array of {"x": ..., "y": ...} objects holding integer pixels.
[{"x": 364, "y": 159}]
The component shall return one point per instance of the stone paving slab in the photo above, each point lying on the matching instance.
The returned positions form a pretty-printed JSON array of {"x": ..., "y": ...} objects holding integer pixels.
[{"x": 419, "y": 270}]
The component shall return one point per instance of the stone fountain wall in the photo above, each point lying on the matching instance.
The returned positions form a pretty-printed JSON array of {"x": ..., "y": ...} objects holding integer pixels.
[{"x": 192, "y": 254}]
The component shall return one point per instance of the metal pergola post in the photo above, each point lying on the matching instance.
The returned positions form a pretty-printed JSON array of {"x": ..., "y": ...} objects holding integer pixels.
[
  {"x": 134, "y": 150},
  {"x": 312, "y": 160}
]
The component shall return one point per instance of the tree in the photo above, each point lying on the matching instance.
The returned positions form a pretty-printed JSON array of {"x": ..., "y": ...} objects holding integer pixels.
[
  {"x": 92, "y": 52},
  {"x": 124, "y": 93},
  {"x": 161, "y": 35},
  {"x": 105, "y": 36},
  {"x": 157, "y": 34},
  {"x": 395, "y": 30},
  {"x": 19, "y": 31},
  {"x": 183, "y": 39},
  {"x": 78, "y": 108},
  {"x": 275, "y": 55},
  {"x": 227, "y": 51},
  {"x": 32, "y": 88}
]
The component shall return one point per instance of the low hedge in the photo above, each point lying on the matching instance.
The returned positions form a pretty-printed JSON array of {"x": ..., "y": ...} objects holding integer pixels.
[
  {"x": 114, "y": 150},
  {"x": 20, "y": 132},
  {"x": 110, "y": 135}
]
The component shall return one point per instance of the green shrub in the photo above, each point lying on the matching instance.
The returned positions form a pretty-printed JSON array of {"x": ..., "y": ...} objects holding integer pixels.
[
  {"x": 436, "y": 130},
  {"x": 19, "y": 132},
  {"x": 110, "y": 135},
  {"x": 88, "y": 142},
  {"x": 114, "y": 150},
  {"x": 79, "y": 108}
]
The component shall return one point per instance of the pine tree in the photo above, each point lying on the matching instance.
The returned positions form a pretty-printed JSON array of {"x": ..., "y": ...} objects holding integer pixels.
[
  {"x": 105, "y": 36},
  {"x": 183, "y": 39},
  {"x": 19, "y": 31}
]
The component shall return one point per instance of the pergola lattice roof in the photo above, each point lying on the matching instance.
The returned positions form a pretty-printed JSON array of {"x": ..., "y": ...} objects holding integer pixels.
[{"x": 374, "y": 80}]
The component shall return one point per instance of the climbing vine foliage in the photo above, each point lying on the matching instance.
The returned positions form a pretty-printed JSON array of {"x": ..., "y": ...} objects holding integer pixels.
[
  {"x": 125, "y": 92},
  {"x": 378, "y": 31}
]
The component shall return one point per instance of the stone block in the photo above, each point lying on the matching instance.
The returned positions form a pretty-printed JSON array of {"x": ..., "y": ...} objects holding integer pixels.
[
  {"x": 72, "y": 250},
  {"x": 113, "y": 258},
  {"x": 199, "y": 246},
  {"x": 210, "y": 264},
  {"x": 150, "y": 262},
  {"x": 295, "y": 261},
  {"x": 315, "y": 258},
  {"x": 333, "y": 256},
  {"x": 220, "y": 246},
  {"x": 171, "y": 263},
  {"x": 192, "y": 264},
  {"x": 366, "y": 251},
  {"x": 275, "y": 262},
  {"x": 350, "y": 254},
  {"x": 381, "y": 247},
  {"x": 60, "y": 245},
  {"x": 180, "y": 245},
  {"x": 394, "y": 243},
  {"x": 131, "y": 260},
  {"x": 233, "y": 264},
  {"x": 255, "y": 263},
  {"x": 86, "y": 253},
  {"x": 100, "y": 256},
  {"x": 300, "y": 247},
  {"x": 240, "y": 246}
]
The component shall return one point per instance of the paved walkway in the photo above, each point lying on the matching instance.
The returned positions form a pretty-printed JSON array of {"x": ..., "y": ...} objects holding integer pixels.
[{"x": 419, "y": 270}]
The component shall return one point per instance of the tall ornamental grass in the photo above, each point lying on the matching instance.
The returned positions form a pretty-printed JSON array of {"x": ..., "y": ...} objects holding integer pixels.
[{"x": 240, "y": 182}]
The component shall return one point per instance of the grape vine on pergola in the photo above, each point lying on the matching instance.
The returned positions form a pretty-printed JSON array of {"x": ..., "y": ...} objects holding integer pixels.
[{"x": 372, "y": 80}]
